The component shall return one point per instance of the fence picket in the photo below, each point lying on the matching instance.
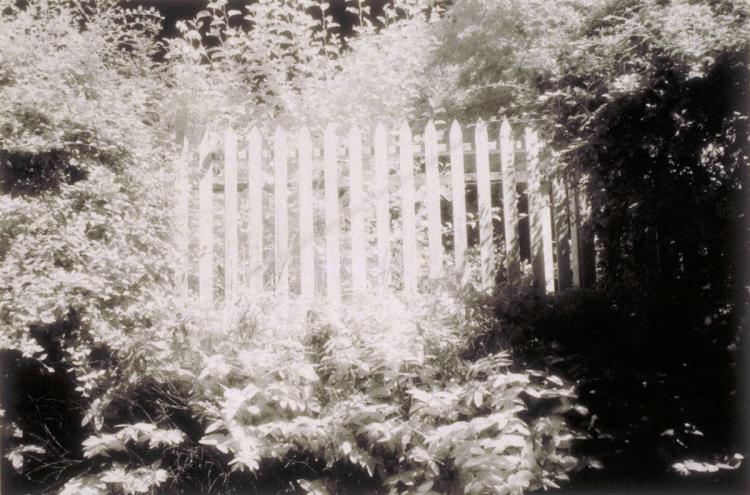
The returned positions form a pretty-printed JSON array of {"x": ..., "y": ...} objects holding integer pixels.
[
  {"x": 182, "y": 219},
  {"x": 540, "y": 224},
  {"x": 231, "y": 244},
  {"x": 382, "y": 207},
  {"x": 562, "y": 232},
  {"x": 575, "y": 249},
  {"x": 408, "y": 221},
  {"x": 306, "y": 215},
  {"x": 256, "y": 178},
  {"x": 484, "y": 200},
  {"x": 549, "y": 263},
  {"x": 356, "y": 204},
  {"x": 331, "y": 177},
  {"x": 458, "y": 191},
  {"x": 205, "y": 224},
  {"x": 281, "y": 212},
  {"x": 432, "y": 183},
  {"x": 554, "y": 210},
  {"x": 534, "y": 201},
  {"x": 510, "y": 202}
]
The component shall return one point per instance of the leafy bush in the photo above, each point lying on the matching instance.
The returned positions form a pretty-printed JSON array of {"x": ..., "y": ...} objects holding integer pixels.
[
  {"x": 660, "y": 407},
  {"x": 377, "y": 392},
  {"x": 83, "y": 230}
]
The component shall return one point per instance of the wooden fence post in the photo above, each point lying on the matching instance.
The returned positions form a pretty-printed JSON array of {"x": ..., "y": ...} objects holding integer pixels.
[
  {"x": 231, "y": 245},
  {"x": 382, "y": 206},
  {"x": 356, "y": 204},
  {"x": 432, "y": 200},
  {"x": 410, "y": 262},
  {"x": 458, "y": 191},
  {"x": 331, "y": 176},
  {"x": 281, "y": 212},
  {"x": 484, "y": 200},
  {"x": 575, "y": 240},
  {"x": 562, "y": 233},
  {"x": 540, "y": 221},
  {"x": 256, "y": 180},
  {"x": 510, "y": 202},
  {"x": 306, "y": 215},
  {"x": 205, "y": 224}
]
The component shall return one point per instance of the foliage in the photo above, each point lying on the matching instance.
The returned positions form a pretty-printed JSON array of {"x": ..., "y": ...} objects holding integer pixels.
[
  {"x": 381, "y": 77},
  {"x": 86, "y": 93},
  {"x": 83, "y": 231},
  {"x": 290, "y": 62},
  {"x": 397, "y": 405},
  {"x": 661, "y": 408},
  {"x": 644, "y": 104}
]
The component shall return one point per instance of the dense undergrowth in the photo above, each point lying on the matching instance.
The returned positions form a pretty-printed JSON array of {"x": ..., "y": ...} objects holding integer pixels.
[
  {"x": 665, "y": 394},
  {"x": 296, "y": 398}
]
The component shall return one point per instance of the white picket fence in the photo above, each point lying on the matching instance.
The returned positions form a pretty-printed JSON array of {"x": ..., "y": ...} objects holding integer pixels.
[{"x": 392, "y": 164}]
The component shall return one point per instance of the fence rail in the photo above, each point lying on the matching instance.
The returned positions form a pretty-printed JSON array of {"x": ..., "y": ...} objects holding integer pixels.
[{"x": 380, "y": 193}]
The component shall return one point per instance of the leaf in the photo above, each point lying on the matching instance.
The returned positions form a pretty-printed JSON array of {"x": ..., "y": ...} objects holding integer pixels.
[
  {"x": 346, "y": 447},
  {"x": 554, "y": 379},
  {"x": 521, "y": 479},
  {"x": 218, "y": 440},
  {"x": 166, "y": 437},
  {"x": 478, "y": 398},
  {"x": 102, "y": 445},
  {"x": 314, "y": 487}
]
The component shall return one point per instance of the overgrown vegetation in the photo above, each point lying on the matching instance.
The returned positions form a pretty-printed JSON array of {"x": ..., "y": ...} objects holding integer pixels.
[
  {"x": 110, "y": 385},
  {"x": 301, "y": 398}
]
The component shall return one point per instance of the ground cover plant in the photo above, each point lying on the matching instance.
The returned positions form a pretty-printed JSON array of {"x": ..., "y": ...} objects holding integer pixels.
[{"x": 312, "y": 400}]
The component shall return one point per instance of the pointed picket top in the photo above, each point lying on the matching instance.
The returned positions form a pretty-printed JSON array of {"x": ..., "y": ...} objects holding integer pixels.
[
  {"x": 254, "y": 138},
  {"x": 432, "y": 189},
  {"x": 185, "y": 148},
  {"x": 429, "y": 128},
  {"x": 279, "y": 138},
  {"x": 204, "y": 149},
  {"x": 430, "y": 134},
  {"x": 304, "y": 137},
  {"x": 380, "y": 133},
  {"x": 532, "y": 145},
  {"x": 455, "y": 134},
  {"x": 505, "y": 129},
  {"x": 354, "y": 134},
  {"x": 404, "y": 133},
  {"x": 330, "y": 132}
]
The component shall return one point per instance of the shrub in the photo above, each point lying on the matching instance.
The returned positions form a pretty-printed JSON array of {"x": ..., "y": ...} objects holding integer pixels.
[
  {"x": 374, "y": 395},
  {"x": 658, "y": 403}
]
